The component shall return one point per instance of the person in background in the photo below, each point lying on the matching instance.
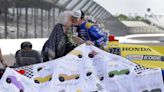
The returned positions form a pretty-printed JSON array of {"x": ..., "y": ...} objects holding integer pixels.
[
  {"x": 58, "y": 43},
  {"x": 89, "y": 32},
  {"x": 3, "y": 63},
  {"x": 2, "y": 60},
  {"x": 27, "y": 56}
]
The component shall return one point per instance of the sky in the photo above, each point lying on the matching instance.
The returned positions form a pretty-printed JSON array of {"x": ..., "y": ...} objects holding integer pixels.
[{"x": 132, "y": 7}]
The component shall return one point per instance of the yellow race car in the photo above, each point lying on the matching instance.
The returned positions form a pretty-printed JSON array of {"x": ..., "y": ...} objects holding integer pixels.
[
  {"x": 144, "y": 55},
  {"x": 65, "y": 77},
  {"x": 43, "y": 79}
]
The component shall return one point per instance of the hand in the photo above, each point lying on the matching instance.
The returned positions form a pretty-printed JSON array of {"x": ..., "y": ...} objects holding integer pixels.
[
  {"x": 78, "y": 40},
  {"x": 89, "y": 43}
]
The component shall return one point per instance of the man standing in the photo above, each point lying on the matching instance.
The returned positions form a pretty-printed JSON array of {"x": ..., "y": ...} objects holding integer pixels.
[{"x": 88, "y": 31}]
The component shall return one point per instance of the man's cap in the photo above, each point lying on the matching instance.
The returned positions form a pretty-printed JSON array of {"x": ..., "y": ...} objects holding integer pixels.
[{"x": 78, "y": 14}]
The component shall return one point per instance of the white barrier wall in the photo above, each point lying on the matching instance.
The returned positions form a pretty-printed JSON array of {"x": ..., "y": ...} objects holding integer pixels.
[{"x": 10, "y": 46}]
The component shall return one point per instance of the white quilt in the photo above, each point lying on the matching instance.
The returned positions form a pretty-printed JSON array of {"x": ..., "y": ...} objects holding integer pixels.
[{"x": 85, "y": 69}]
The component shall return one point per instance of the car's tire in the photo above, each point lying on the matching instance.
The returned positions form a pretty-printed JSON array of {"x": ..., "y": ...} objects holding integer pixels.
[
  {"x": 127, "y": 72},
  {"x": 8, "y": 80},
  {"x": 91, "y": 55},
  {"x": 36, "y": 81},
  {"x": 77, "y": 77},
  {"x": 80, "y": 56},
  {"x": 111, "y": 75},
  {"x": 21, "y": 90},
  {"x": 61, "y": 79},
  {"x": 50, "y": 79},
  {"x": 89, "y": 74},
  {"x": 39, "y": 69},
  {"x": 101, "y": 78}
]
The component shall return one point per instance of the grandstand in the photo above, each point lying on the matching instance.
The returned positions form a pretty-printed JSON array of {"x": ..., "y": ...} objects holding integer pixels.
[
  {"x": 139, "y": 27},
  {"x": 36, "y": 18}
]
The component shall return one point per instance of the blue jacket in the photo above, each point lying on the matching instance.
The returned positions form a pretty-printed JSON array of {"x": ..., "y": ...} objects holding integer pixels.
[{"x": 89, "y": 31}]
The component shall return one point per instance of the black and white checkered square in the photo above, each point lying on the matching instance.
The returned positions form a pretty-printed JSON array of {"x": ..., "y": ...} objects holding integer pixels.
[
  {"x": 140, "y": 68},
  {"x": 28, "y": 71}
]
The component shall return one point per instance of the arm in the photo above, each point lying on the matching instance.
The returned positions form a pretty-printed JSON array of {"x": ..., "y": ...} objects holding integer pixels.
[{"x": 98, "y": 34}]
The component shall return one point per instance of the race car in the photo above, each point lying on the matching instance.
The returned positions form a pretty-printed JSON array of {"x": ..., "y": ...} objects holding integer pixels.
[{"x": 144, "y": 55}]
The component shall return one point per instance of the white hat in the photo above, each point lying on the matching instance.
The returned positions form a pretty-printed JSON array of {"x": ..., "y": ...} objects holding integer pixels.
[{"x": 77, "y": 14}]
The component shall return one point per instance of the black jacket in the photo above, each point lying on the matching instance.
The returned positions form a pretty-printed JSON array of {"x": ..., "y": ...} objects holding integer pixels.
[
  {"x": 57, "y": 45},
  {"x": 24, "y": 58}
]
